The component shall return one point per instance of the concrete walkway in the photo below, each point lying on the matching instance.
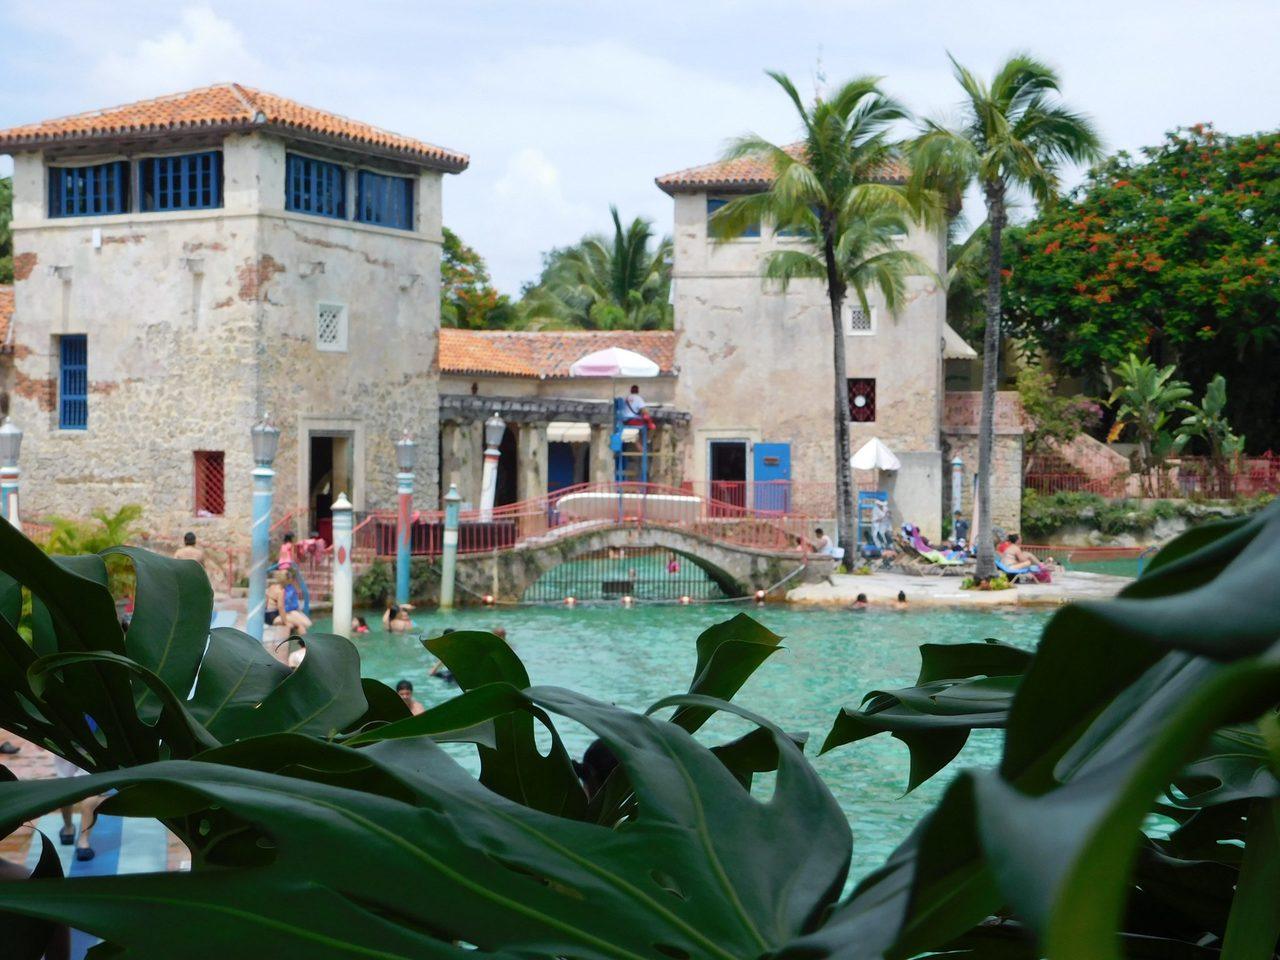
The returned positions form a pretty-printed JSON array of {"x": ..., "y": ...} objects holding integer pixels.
[{"x": 883, "y": 587}]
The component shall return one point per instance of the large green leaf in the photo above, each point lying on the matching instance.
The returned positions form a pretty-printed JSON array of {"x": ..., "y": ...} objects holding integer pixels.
[
  {"x": 728, "y": 654},
  {"x": 703, "y": 870},
  {"x": 1254, "y": 926},
  {"x": 513, "y": 766},
  {"x": 1063, "y": 859},
  {"x": 170, "y": 623}
]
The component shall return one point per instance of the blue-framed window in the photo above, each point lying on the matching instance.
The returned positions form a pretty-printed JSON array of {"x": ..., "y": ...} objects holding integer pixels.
[
  {"x": 715, "y": 203},
  {"x": 384, "y": 200},
  {"x": 73, "y": 382},
  {"x": 91, "y": 191},
  {"x": 192, "y": 181},
  {"x": 799, "y": 231},
  {"x": 315, "y": 186}
]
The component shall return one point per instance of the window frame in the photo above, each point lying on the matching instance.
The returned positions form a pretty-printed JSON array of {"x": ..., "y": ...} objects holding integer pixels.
[
  {"x": 846, "y": 318},
  {"x": 67, "y": 400},
  {"x": 342, "y": 170},
  {"x": 751, "y": 233},
  {"x": 340, "y": 342},
  {"x": 150, "y": 163},
  {"x": 410, "y": 204},
  {"x": 856, "y": 413},
  {"x": 56, "y": 193},
  {"x": 199, "y": 487}
]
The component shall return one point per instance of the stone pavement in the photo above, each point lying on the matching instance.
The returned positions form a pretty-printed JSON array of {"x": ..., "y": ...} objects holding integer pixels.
[{"x": 883, "y": 586}]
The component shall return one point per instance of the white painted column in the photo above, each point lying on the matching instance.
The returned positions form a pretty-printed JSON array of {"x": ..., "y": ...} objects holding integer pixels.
[{"x": 342, "y": 572}]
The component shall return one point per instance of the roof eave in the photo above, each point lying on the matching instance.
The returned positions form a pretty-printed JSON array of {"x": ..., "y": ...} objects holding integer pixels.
[{"x": 446, "y": 162}]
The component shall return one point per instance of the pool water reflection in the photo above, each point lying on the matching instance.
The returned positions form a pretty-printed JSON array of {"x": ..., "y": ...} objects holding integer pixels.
[{"x": 632, "y": 657}]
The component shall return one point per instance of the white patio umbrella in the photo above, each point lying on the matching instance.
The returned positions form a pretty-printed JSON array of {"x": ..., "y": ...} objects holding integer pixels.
[
  {"x": 614, "y": 362},
  {"x": 874, "y": 455}
]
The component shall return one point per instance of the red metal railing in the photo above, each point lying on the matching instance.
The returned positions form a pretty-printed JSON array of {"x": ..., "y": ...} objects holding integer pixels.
[
  {"x": 1184, "y": 477},
  {"x": 588, "y": 506}
]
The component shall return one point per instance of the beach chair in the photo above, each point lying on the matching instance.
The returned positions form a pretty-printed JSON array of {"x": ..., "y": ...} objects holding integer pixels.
[{"x": 1033, "y": 574}]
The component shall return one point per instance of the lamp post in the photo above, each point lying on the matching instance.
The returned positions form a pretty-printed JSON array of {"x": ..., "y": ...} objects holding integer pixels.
[
  {"x": 494, "y": 428},
  {"x": 266, "y": 441},
  {"x": 406, "y": 460},
  {"x": 10, "y": 447},
  {"x": 449, "y": 557}
]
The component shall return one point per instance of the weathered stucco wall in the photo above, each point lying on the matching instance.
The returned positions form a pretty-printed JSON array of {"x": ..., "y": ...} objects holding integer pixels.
[
  {"x": 756, "y": 362},
  {"x": 197, "y": 320},
  {"x": 960, "y": 438}
]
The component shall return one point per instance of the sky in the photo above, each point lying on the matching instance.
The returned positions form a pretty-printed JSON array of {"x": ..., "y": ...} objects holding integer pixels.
[{"x": 568, "y": 106}]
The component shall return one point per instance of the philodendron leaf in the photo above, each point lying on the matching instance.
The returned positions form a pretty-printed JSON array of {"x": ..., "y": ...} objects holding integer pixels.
[
  {"x": 933, "y": 720},
  {"x": 1254, "y": 925},
  {"x": 728, "y": 654},
  {"x": 172, "y": 609},
  {"x": 1063, "y": 859},
  {"x": 514, "y": 766},
  {"x": 424, "y": 858}
]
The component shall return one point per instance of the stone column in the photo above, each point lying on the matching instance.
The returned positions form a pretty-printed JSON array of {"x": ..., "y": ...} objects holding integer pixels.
[
  {"x": 531, "y": 447},
  {"x": 600, "y": 464},
  {"x": 455, "y": 459}
]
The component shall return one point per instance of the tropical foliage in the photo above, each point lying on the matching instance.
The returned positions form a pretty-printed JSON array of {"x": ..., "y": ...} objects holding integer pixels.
[
  {"x": 1055, "y": 418},
  {"x": 831, "y": 195},
  {"x": 6, "y": 235},
  {"x": 1170, "y": 254},
  {"x": 1144, "y": 401},
  {"x": 467, "y": 295},
  {"x": 326, "y": 822},
  {"x": 1208, "y": 423},
  {"x": 618, "y": 282},
  {"x": 1014, "y": 134}
]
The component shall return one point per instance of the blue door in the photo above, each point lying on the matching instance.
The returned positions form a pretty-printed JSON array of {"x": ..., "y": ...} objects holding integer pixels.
[
  {"x": 772, "y": 477},
  {"x": 559, "y": 466}
]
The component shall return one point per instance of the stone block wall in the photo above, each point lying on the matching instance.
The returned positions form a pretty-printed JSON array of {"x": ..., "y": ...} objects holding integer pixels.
[{"x": 196, "y": 321}]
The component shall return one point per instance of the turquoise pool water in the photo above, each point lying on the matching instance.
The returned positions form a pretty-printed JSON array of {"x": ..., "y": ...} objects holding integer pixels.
[{"x": 632, "y": 657}]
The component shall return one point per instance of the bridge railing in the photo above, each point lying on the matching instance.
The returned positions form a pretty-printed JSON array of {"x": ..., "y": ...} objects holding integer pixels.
[{"x": 595, "y": 505}]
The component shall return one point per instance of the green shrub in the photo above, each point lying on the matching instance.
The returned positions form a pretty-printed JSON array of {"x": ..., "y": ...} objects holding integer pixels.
[
  {"x": 1045, "y": 514},
  {"x": 377, "y": 585}
]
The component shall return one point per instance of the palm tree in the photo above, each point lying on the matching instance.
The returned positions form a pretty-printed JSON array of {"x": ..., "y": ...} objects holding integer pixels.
[
  {"x": 1014, "y": 134},
  {"x": 609, "y": 283},
  {"x": 1146, "y": 399},
  {"x": 830, "y": 188}
]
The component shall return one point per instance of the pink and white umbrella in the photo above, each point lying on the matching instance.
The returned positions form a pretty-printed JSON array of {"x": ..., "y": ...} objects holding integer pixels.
[{"x": 616, "y": 363}]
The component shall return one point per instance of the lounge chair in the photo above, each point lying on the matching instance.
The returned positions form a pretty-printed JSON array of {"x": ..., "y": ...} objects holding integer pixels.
[
  {"x": 931, "y": 564},
  {"x": 1036, "y": 573}
]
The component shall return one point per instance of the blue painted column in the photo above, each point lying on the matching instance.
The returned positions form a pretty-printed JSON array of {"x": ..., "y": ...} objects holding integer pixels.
[
  {"x": 449, "y": 554},
  {"x": 404, "y": 486},
  {"x": 263, "y": 478},
  {"x": 343, "y": 579}
]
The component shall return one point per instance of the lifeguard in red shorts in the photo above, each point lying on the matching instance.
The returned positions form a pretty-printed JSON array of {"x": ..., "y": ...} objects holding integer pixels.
[{"x": 637, "y": 410}]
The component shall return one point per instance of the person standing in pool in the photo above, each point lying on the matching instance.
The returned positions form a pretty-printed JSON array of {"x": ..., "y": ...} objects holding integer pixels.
[
  {"x": 395, "y": 619},
  {"x": 901, "y": 602},
  {"x": 404, "y": 689}
]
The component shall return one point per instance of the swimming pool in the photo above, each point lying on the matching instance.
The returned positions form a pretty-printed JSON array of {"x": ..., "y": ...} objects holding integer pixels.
[{"x": 632, "y": 657}]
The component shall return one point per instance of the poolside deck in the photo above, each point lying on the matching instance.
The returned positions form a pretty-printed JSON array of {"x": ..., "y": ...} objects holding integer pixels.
[{"x": 883, "y": 587}]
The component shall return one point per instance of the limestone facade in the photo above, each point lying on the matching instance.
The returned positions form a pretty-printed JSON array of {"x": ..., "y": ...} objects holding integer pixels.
[
  {"x": 756, "y": 361},
  {"x": 199, "y": 321}
]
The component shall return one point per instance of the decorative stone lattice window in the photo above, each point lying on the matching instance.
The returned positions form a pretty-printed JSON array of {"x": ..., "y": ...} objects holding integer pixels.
[
  {"x": 862, "y": 399},
  {"x": 859, "y": 322},
  {"x": 331, "y": 327}
]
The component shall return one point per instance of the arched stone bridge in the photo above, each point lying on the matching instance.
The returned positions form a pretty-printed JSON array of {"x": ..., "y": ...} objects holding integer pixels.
[{"x": 740, "y": 571}]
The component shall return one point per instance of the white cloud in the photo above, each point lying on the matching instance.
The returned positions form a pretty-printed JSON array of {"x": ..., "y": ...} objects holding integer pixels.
[{"x": 202, "y": 48}]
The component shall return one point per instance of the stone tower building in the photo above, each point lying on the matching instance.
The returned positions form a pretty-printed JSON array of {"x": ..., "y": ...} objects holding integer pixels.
[{"x": 185, "y": 264}]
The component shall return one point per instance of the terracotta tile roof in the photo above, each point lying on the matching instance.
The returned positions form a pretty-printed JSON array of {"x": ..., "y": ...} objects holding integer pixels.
[
  {"x": 745, "y": 174},
  {"x": 544, "y": 353},
  {"x": 228, "y": 106},
  {"x": 6, "y": 318}
]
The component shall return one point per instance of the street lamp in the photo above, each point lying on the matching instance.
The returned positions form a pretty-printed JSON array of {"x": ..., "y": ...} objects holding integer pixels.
[
  {"x": 494, "y": 428},
  {"x": 10, "y": 447},
  {"x": 265, "y": 438},
  {"x": 406, "y": 460}
]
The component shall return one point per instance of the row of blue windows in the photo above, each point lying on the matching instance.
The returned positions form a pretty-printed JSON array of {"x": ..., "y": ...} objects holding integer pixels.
[
  {"x": 716, "y": 203},
  {"x": 193, "y": 181},
  {"x": 319, "y": 187}
]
